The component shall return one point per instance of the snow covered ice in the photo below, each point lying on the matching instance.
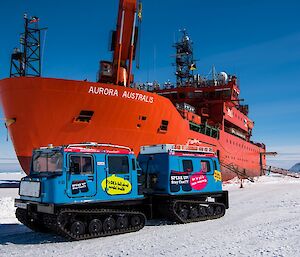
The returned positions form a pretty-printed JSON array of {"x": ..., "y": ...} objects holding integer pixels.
[{"x": 263, "y": 220}]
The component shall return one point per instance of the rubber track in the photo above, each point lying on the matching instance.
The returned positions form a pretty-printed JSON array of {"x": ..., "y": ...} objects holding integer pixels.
[
  {"x": 23, "y": 217},
  {"x": 175, "y": 217},
  {"x": 66, "y": 233}
]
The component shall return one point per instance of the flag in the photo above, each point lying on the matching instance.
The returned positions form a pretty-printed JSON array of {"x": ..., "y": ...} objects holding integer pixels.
[
  {"x": 34, "y": 19},
  {"x": 140, "y": 8},
  {"x": 193, "y": 66}
]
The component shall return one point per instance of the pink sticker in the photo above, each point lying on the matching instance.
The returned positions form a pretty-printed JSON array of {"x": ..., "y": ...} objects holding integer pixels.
[{"x": 198, "y": 181}]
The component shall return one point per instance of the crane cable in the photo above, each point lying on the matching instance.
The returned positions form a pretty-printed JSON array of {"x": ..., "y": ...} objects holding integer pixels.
[{"x": 138, "y": 47}]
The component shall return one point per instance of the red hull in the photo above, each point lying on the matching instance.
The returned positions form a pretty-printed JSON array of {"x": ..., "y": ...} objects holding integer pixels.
[{"x": 45, "y": 112}]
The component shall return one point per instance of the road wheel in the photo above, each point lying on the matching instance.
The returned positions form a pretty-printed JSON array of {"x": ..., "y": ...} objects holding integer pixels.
[
  {"x": 95, "y": 226},
  {"x": 194, "y": 213},
  {"x": 218, "y": 210},
  {"x": 77, "y": 228},
  {"x": 109, "y": 224},
  {"x": 122, "y": 222},
  {"x": 210, "y": 210},
  {"x": 202, "y": 211},
  {"x": 183, "y": 214},
  {"x": 135, "y": 220}
]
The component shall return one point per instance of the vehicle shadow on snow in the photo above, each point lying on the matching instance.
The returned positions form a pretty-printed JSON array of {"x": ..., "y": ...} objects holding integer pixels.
[
  {"x": 20, "y": 234},
  {"x": 159, "y": 222}
]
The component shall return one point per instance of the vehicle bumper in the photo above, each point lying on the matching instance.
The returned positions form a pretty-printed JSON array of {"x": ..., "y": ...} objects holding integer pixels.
[{"x": 32, "y": 206}]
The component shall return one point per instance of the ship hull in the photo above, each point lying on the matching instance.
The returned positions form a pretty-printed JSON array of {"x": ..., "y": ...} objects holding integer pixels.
[{"x": 45, "y": 111}]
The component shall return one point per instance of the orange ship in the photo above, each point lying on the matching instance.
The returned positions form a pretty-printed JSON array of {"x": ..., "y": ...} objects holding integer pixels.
[{"x": 41, "y": 111}]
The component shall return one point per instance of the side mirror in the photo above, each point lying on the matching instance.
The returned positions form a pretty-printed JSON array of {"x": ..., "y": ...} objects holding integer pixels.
[{"x": 74, "y": 168}]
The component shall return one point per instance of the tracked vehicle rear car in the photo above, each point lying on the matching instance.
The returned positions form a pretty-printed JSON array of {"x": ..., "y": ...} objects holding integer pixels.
[{"x": 89, "y": 190}]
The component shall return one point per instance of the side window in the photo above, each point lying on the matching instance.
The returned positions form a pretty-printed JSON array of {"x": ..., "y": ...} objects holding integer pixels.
[
  {"x": 215, "y": 165},
  {"x": 133, "y": 164},
  {"x": 86, "y": 162},
  {"x": 118, "y": 165},
  {"x": 205, "y": 166},
  {"x": 81, "y": 164},
  {"x": 187, "y": 165}
]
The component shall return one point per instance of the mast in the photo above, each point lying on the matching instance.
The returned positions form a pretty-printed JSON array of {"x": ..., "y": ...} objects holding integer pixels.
[
  {"x": 185, "y": 63},
  {"x": 26, "y": 62}
]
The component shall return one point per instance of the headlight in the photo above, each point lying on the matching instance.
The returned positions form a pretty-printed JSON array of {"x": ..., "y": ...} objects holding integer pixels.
[{"x": 30, "y": 188}]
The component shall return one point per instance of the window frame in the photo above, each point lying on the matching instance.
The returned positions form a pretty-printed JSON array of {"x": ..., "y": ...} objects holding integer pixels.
[
  {"x": 187, "y": 160},
  {"x": 82, "y": 155},
  {"x": 210, "y": 170},
  {"x": 41, "y": 153},
  {"x": 119, "y": 173},
  {"x": 215, "y": 165}
]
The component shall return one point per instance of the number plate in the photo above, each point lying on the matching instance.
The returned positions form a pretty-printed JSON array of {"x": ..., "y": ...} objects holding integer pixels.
[{"x": 21, "y": 205}]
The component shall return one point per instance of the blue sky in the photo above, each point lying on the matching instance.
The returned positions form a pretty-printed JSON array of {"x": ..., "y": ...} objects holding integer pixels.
[{"x": 259, "y": 41}]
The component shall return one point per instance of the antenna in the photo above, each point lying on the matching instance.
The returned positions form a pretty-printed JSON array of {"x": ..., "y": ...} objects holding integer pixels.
[{"x": 213, "y": 71}]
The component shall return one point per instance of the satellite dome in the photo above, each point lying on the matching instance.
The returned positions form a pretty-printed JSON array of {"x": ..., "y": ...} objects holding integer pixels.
[{"x": 222, "y": 76}]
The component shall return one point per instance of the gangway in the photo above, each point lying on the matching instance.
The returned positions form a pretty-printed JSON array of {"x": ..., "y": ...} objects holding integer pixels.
[
  {"x": 268, "y": 169},
  {"x": 241, "y": 174}
]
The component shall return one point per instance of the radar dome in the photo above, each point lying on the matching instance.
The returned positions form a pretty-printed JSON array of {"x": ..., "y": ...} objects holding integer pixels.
[{"x": 222, "y": 76}]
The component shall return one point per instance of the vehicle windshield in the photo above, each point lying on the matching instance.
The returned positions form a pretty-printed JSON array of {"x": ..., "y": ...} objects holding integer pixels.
[{"x": 47, "y": 162}]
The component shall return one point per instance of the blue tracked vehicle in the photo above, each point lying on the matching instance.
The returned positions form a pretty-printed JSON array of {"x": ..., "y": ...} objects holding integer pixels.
[{"x": 89, "y": 190}]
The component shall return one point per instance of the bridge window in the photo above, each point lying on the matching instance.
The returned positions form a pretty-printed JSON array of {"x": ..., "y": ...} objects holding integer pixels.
[
  {"x": 174, "y": 95},
  {"x": 181, "y": 95},
  {"x": 118, "y": 165}
]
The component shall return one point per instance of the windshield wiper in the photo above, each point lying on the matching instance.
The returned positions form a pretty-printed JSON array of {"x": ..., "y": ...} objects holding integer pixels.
[{"x": 46, "y": 174}]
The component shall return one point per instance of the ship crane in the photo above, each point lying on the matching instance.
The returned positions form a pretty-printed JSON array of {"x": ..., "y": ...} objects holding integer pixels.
[{"x": 124, "y": 40}]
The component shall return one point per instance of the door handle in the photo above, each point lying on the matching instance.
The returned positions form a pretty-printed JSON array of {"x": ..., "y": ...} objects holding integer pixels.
[
  {"x": 90, "y": 178},
  {"x": 126, "y": 177}
]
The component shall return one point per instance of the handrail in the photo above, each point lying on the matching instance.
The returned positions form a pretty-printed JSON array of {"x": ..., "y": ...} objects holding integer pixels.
[
  {"x": 237, "y": 171},
  {"x": 189, "y": 148},
  {"x": 94, "y": 144},
  {"x": 285, "y": 172}
]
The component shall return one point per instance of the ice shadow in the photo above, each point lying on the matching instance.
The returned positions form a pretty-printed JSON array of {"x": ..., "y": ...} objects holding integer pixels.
[{"x": 20, "y": 234}]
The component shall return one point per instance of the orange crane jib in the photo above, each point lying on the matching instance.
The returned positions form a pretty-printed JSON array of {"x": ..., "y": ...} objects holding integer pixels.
[{"x": 124, "y": 41}]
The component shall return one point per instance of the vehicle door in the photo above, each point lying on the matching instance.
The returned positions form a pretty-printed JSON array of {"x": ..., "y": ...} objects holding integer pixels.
[
  {"x": 118, "y": 175},
  {"x": 81, "y": 175},
  {"x": 180, "y": 179},
  {"x": 203, "y": 175}
]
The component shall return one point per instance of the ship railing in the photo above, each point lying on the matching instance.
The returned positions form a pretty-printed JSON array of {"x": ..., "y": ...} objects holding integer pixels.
[
  {"x": 260, "y": 145},
  {"x": 267, "y": 169}
]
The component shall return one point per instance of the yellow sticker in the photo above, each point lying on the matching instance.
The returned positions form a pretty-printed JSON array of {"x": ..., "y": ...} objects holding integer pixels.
[
  {"x": 217, "y": 176},
  {"x": 114, "y": 185}
]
